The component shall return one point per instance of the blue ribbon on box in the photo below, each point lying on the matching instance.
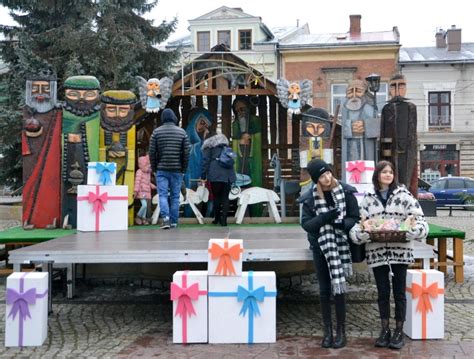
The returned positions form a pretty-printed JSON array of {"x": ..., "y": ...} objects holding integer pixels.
[
  {"x": 104, "y": 170},
  {"x": 250, "y": 298}
]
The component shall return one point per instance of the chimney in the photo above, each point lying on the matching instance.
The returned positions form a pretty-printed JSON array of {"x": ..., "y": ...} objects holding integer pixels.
[
  {"x": 453, "y": 38},
  {"x": 354, "y": 30},
  {"x": 440, "y": 40}
]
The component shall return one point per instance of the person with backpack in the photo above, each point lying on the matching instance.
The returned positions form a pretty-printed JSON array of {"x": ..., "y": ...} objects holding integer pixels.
[{"x": 218, "y": 168}]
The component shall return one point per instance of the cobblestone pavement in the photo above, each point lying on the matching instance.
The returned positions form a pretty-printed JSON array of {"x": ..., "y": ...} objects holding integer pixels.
[{"x": 134, "y": 319}]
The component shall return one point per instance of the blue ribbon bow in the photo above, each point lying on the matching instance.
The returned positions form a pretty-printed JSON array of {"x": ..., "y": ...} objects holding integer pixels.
[
  {"x": 104, "y": 170},
  {"x": 250, "y": 298}
]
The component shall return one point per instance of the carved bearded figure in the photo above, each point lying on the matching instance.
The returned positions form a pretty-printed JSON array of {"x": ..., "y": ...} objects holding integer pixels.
[
  {"x": 360, "y": 126},
  {"x": 81, "y": 122},
  {"x": 118, "y": 137},
  {"x": 41, "y": 150}
]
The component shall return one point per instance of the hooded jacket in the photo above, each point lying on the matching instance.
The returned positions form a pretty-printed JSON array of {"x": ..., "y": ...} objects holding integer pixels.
[
  {"x": 169, "y": 145},
  {"x": 143, "y": 183},
  {"x": 400, "y": 204},
  {"x": 210, "y": 168},
  {"x": 311, "y": 222}
]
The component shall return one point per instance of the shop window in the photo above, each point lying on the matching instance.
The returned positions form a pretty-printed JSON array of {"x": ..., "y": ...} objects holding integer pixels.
[
  {"x": 439, "y": 105},
  {"x": 245, "y": 39},
  {"x": 203, "y": 41},
  {"x": 439, "y": 160}
]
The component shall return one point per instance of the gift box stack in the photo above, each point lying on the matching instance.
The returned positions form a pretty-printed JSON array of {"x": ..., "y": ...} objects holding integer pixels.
[
  {"x": 425, "y": 304},
  {"x": 224, "y": 304},
  {"x": 26, "y": 315},
  {"x": 359, "y": 174},
  {"x": 102, "y": 205}
]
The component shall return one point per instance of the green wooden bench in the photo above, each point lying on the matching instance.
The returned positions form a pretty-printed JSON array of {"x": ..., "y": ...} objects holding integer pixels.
[{"x": 441, "y": 235}]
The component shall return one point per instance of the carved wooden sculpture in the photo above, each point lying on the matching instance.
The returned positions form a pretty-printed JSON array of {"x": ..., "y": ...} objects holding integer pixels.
[
  {"x": 41, "y": 150},
  {"x": 81, "y": 123},
  {"x": 118, "y": 137}
]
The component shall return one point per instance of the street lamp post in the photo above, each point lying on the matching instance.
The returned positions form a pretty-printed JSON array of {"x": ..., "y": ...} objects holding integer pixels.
[{"x": 373, "y": 81}]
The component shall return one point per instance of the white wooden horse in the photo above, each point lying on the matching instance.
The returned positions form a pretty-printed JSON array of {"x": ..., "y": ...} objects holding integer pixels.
[
  {"x": 201, "y": 194},
  {"x": 255, "y": 195}
]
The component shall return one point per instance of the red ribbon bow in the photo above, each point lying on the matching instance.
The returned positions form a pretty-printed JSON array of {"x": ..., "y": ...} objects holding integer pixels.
[
  {"x": 184, "y": 297},
  {"x": 97, "y": 201},
  {"x": 226, "y": 255},
  {"x": 424, "y": 294},
  {"x": 356, "y": 168}
]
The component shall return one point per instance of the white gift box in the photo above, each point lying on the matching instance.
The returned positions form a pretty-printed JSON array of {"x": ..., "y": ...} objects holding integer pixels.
[
  {"x": 362, "y": 189},
  {"x": 189, "y": 295},
  {"x": 359, "y": 171},
  {"x": 225, "y": 257},
  {"x": 26, "y": 316},
  {"x": 102, "y": 208},
  {"x": 242, "y": 309},
  {"x": 101, "y": 173},
  {"x": 425, "y": 304}
]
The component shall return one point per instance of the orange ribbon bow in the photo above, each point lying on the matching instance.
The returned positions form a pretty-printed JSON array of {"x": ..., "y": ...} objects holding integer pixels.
[
  {"x": 226, "y": 255},
  {"x": 424, "y": 294}
]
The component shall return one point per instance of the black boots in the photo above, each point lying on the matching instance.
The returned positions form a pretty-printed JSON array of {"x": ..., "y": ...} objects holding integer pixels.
[
  {"x": 327, "y": 339},
  {"x": 341, "y": 339},
  {"x": 384, "y": 337},
  {"x": 397, "y": 340}
]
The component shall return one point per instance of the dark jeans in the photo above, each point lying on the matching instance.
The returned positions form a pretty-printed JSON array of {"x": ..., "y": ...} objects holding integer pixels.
[
  {"x": 322, "y": 272},
  {"x": 220, "y": 191},
  {"x": 399, "y": 282},
  {"x": 169, "y": 186}
]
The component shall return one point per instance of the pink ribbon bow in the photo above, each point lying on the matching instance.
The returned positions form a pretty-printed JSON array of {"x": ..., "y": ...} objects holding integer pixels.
[{"x": 356, "y": 168}]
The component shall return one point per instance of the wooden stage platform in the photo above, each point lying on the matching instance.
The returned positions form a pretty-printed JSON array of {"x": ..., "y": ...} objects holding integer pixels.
[{"x": 186, "y": 244}]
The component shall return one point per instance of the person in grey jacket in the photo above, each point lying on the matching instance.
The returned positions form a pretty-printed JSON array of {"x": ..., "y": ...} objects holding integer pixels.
[
  {"x": 221, "y": 178},
  {"x": 388, "y": 200},
  {"x": 169, "y": 156}
]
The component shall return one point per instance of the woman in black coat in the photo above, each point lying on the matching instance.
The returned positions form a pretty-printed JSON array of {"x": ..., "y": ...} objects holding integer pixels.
[
  {"x": 221, "y": 178},
  {"x": 329, "y": 211}
]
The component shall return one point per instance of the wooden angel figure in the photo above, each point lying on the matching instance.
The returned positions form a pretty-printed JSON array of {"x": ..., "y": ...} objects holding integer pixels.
[
  {"x": 294, "y": 95},
  {"x": 154, "y": 93}
]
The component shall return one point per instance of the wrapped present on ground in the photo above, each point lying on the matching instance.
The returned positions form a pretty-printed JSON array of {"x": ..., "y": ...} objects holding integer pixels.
[
  {"x": 26, "y": 315},
  {"x": 101, "y": 173},
  {"x": 425, "y": 304},
  {"x": 225, "y": 257},
  {"x": 242, "y": 309},
  {"x": 102, "y": 208},
  {"x": 189, "y": 295},
  {"x": 359, "y": 171}
]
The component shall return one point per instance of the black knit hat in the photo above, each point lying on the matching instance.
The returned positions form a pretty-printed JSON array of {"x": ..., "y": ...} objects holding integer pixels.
[{"x": 316, "y": 168}]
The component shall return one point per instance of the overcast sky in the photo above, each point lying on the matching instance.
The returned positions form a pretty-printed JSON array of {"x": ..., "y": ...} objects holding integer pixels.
[{"x": 417, "y": 20}]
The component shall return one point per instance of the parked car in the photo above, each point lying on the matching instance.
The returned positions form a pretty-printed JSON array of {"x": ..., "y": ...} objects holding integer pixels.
[{"x": 453, "y": 190}]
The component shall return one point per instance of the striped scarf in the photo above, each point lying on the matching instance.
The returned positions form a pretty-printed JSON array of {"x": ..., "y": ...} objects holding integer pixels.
[{"x": 333, "y": 242}]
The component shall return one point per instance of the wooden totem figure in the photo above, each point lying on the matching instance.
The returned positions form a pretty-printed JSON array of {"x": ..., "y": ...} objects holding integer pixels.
[
  {"x": 398, "y": 140},
  {"x": 81, "y": 123},
  {"x": 41, "y": 150},
  {"x": 117, "y": 137}
]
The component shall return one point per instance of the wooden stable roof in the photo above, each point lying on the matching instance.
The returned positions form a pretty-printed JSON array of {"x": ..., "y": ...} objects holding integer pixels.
[{"x": 220, "y": 72}]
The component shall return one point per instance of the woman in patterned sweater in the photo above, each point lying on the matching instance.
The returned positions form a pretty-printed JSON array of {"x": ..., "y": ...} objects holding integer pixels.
[{"x": 388, "y": 200}]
